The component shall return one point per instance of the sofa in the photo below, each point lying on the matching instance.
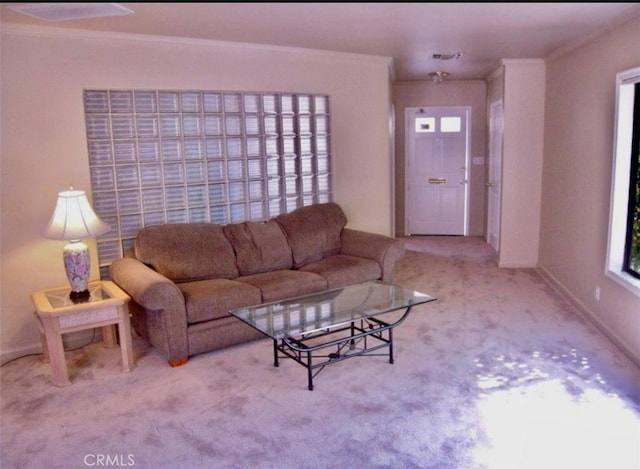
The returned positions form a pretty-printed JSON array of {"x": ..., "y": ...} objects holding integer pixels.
[{"x": 184, "y": 278}]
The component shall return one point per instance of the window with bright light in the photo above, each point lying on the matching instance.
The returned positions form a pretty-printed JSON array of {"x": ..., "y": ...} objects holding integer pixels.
[
  {"x": 425, "y": 124},
  {"x": 450, "y": 124},
  {"x": 623, "y": 257}
]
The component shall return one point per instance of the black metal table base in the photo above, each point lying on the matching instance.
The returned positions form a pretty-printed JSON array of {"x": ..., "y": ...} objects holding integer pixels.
[{"x": 314, "y": 351}]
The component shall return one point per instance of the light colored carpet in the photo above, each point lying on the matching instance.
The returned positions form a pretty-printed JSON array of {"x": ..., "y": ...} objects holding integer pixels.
[{"x": 500, "y": 372}]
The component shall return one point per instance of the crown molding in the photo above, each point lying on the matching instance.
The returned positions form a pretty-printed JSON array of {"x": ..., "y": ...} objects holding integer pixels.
[
  {"x": 521, "y": 61},
  {"x": 498, "y": 72},
  {"x": 631, "y": 14},
  {"x": 68, "y": 33}
]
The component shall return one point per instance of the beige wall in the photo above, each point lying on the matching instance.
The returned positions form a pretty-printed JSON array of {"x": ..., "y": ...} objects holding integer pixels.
[
  {"x": 578, "y": 149},
  {"x": 452, "y": 93},
  {"x": 43, "y": 144},
  {"x": 522, "y": 150}
]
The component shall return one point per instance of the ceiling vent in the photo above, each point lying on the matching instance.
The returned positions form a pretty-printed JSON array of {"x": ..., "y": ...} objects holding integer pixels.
[
  {"x": 447, "y": 55},
  {"x": 70, "y": 11}
]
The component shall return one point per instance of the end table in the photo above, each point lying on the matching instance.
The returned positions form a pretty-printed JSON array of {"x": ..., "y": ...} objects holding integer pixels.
[{"x": 57, "y": 314}]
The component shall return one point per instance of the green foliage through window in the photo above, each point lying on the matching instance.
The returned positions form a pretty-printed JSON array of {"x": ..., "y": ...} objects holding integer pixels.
[{"x": 633, "y": 220}]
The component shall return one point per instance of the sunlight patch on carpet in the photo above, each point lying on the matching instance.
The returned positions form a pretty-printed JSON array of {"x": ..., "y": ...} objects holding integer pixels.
[{"x": 545, "y": 425}]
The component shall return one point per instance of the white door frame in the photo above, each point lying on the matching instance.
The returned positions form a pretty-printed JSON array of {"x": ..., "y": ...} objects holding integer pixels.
[
  {"x": 408, "y": 114},
  {"x": 494, "y": 176}
]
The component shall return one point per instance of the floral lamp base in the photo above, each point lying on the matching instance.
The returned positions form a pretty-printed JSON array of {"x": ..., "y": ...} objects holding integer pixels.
[{"x": 77, "y": 263}]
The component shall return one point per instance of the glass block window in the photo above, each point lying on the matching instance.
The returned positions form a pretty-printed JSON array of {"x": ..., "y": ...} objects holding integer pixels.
[{"x": 164, "y": 156}]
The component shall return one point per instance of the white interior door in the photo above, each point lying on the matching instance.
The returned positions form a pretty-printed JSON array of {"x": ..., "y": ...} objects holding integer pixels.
[
  {"x": 436, "y": 170},
  {"x": 496, "y": 130}
]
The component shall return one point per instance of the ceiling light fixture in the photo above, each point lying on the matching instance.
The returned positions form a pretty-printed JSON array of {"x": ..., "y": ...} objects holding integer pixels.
[
  {"x": 70, "y": 11},
  {"x": 438, "y": 77}
]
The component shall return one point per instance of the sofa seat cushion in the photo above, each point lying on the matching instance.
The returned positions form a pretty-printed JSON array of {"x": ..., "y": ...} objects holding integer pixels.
[
  {"x": 259, "y": 246},
  {"x": 213, "y": 299},
  {"x": 281, "y": 284},
  {"x": 342, "y": 270},
  {"x": 313, "y": 231},
  {"x": 184, "y": 252}
]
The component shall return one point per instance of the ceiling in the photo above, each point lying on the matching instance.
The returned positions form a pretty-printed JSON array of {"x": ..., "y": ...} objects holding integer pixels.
[{"x": 410, "y": 33}]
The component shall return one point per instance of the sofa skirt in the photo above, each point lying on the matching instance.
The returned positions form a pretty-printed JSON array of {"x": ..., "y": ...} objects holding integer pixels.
[{"x": 219, "y": 333}]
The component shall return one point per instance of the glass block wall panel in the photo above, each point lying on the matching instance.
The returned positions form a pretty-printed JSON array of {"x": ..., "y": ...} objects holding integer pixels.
[{"x": 193, "y": 156}]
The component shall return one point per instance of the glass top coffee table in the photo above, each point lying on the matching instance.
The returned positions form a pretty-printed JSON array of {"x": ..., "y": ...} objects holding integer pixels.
[{"x": 331, "y": 326}]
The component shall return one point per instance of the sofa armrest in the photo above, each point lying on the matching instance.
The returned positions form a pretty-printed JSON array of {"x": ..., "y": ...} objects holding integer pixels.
[
  {"x": 383, "y": 249},
  {"x": 147, "y": 287},
  {"x": 163, "y": 304}
]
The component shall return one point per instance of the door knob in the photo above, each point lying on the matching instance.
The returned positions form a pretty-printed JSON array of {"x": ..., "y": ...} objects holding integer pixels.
[{"x": 489, "y": 184}]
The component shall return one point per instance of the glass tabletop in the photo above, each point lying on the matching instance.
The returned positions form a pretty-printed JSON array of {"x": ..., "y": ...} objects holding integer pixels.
[
  {"x": 302, "y": 315},
  {"x": 60, "y": 298}
]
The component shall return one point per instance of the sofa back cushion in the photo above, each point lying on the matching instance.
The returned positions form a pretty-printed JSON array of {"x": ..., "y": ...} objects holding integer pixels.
[
  {"x": 259, "y": 246},
  {"x": 313, "y": 231},
  {"x": 187, "y": 251}
]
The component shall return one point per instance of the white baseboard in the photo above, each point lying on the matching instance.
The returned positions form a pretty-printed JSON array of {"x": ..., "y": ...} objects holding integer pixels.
[
  {"x": 7, "y": 356},
  {"x": 524, "y": 265},
  {"x": 588, "y": 314},
  {"x": 71, "y": 341}
]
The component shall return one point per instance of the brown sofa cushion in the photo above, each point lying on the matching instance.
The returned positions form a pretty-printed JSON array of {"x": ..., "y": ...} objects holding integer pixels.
[
  {"x": 187, "y": 251},
  {"x": 213, "y": 299},
  {"x": 340, "y": 271},
  {"x": 259, "y": 247},
  {"x": 280, "y": 284},
  {"x": 313, "y": 231}
]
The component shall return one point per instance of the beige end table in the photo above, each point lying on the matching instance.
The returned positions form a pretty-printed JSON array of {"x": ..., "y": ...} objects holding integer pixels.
[{"x": 57, "y": 314}]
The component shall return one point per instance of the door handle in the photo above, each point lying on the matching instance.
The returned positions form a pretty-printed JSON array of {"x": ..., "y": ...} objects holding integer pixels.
[{"x": 437, "y": 180}]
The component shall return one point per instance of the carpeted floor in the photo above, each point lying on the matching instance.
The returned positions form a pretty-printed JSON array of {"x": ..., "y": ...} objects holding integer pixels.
[{"x": 500, "y": 372}]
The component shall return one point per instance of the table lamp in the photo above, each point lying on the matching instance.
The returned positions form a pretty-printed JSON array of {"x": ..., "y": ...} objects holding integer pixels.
[{"x": 73, "y": 219}]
